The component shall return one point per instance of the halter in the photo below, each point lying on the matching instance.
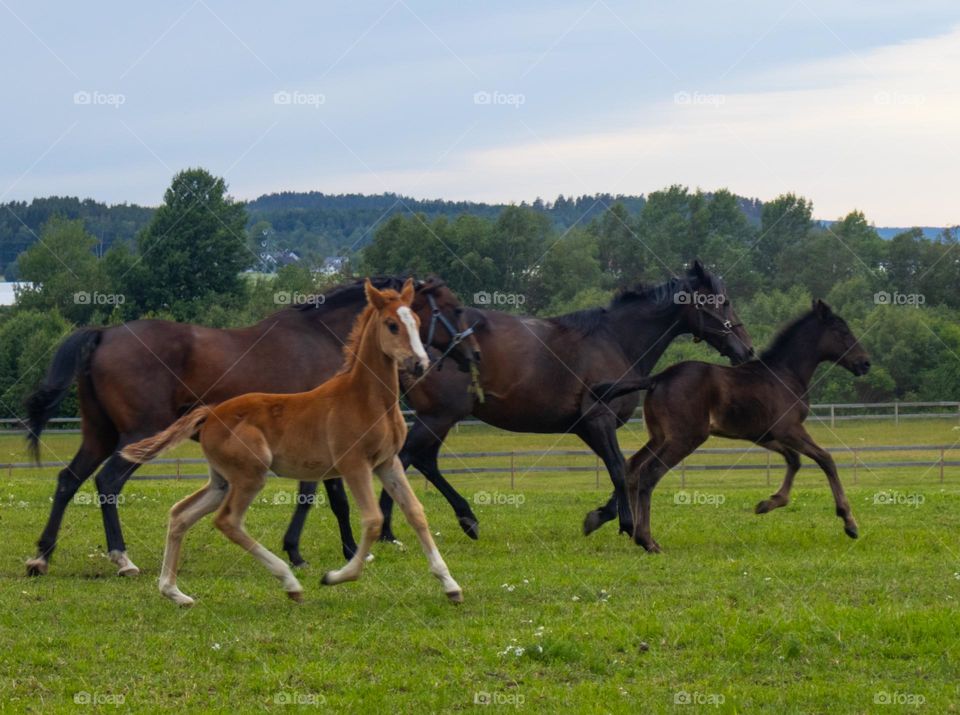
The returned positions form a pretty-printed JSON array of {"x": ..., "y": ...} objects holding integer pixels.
[
  {"x": 456, "y": 337},
  {"x": 728, "y": 325}
]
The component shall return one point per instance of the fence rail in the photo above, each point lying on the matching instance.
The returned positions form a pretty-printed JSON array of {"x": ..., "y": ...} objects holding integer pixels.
[
  {"x": 511, "y": 466},
  {"x": 826, "y": 413}
]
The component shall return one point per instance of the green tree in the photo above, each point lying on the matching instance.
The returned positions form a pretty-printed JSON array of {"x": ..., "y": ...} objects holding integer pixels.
[
  {"x": 27, "y": 342},
  {"x": 194, "y": 248}
]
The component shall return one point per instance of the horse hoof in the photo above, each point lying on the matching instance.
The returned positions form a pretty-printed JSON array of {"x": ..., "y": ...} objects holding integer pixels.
[
  {"x": 851, "y": 531},
  {"x": 455, "y": 596},
  {"x": 301, "y": 564},
  {"x": 387, "y": 537},
  {"x": 37, "y": 567},
  {"x": 652, "y": 548},
  {"x": 763, "y": 507},
  {"x": 470, "y": 526},
  {"x": 592, "y": 522},
  {"x": 130, "y": 570},
  {"x": 295, "y": 559},
  {"x": 295, "y": 596},
  {"x": 327, "y": 579}
]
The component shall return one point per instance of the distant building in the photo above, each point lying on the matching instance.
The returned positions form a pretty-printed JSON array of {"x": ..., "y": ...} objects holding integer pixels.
[{"x": 333, "y": 265}]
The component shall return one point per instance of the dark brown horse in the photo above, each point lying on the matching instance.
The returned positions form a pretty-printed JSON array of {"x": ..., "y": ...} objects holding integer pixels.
[
  {"x": 137, "y": 378},
  {"x": 764, "y": 401},
  {"x": 535, "y": 375}
]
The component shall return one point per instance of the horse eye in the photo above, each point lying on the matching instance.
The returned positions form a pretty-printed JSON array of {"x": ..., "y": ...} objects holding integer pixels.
[
  {"x": 458, "y": 311},
  {"x": 394, "y": 328}
]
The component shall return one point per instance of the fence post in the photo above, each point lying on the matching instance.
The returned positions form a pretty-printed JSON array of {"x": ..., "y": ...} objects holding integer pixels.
[
  {"x": 896, "y": 412},
  {"x": 833, "y": 416}
]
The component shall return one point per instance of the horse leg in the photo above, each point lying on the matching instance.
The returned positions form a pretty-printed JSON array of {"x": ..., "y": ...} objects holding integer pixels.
[
  {"x": 426, "y": 462},
  {"x": 340, "y": 506},
  {"x": 394, "y": 480},
  {"x": 601, "y": 437},
  {"x": 244, "y": 487},
  {"x": 83, "y": 464},
  {"x": 655, "y": 461},
  {"x": 782, "y": 496},
  {"x": 184, "y": 514},
  {"x": 110, "y": 481},
  {"x": 360, "y": 483},
  {"x": 291, "y": 539},
  {"x": 801, "y": 441}
]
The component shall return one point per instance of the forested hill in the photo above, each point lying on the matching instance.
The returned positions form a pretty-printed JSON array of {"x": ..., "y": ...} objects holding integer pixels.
[{"x": 310, "y": 224}]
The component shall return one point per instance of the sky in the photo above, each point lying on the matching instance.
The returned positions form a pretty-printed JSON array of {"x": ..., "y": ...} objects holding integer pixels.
[{"x": 854, "y": 105}]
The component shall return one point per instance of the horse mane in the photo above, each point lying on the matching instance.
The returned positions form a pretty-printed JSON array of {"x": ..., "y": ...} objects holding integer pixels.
[
  {"x": 592, "y": 319},
  {"x": 351, "y": 347},
  {"x": 781, "y": 342}
]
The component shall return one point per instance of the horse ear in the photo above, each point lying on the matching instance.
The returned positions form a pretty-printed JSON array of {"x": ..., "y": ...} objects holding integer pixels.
[
  {"x": 374, "y": 297},
  {"x": 406, "y": 294},
  {"x": 697, "y": 270},
  {"x": 821, "y": 309}
]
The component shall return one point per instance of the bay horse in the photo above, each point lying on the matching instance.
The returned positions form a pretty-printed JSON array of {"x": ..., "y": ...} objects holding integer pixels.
[
  {"x": 350, "y": 426},
  {"x": 535, "y": 374},
  {"x": 137, "y": 378},
  {"x": 764, "y": 401}
]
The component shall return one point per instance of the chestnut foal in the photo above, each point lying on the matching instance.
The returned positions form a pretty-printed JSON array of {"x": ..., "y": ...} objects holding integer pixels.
[
  {"x": 350, "y": 426},
  {"x": 764, "y": 401}
]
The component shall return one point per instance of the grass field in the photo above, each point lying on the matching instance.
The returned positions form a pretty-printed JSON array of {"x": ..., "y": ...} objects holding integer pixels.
[{"x": 780, "y": 612}]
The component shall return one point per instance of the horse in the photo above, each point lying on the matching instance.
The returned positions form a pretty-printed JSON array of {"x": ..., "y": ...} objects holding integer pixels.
[
  {"x": 135, "y": 379},
  {"x": 763, "y": 401},
  {"x": 534, "y": 378},
  {"x": 350, "y": 426}
]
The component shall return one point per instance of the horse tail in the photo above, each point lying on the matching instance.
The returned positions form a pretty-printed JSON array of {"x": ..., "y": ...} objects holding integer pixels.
[
  {"x": 182, "y": 429},
  {"x": 608, "y": 391},
  {"x": 71, "y": 360}
]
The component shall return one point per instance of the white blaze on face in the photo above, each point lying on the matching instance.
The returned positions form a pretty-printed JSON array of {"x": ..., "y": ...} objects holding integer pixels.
[{"x": 406, "y": 315}]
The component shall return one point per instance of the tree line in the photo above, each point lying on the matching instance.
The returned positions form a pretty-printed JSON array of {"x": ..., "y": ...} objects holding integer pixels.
[{"x": 193, "y": 259}]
